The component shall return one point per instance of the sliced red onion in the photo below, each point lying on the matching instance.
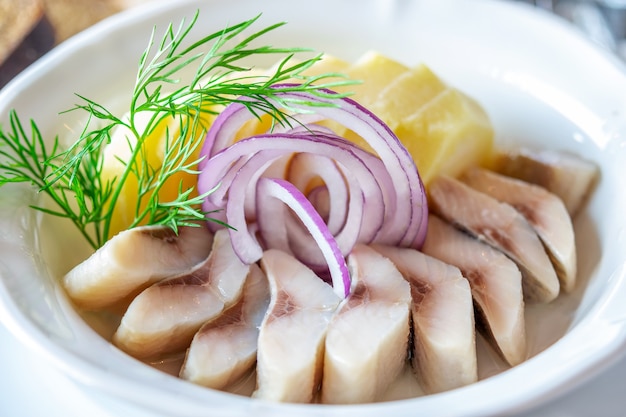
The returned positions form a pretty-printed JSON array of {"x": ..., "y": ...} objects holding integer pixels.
[
  {"x": 287, "y": 193},
  {"x": 407, "y": 220},
  {"x": 306, "y": 168},
  {"x": 243, "y": 187},
  {"x": 354, "y": 228},
  {"x": 218, "y": 171},
  {"x": 367, "y": 198},
  {"x": 267, "y": 149},
  {"x": 320, "y": 198},
  {"x": 407, "y": 225}
]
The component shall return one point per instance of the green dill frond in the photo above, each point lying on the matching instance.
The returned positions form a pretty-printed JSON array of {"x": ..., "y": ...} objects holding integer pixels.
[{"x": 180, "y": 83}]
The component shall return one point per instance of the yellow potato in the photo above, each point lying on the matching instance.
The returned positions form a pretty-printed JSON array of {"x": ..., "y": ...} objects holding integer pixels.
[
  {"x": 328, "y": 64},
  {"x": 401, "y": 97},
  {"x": 446, "y": 136},
  {"x": 406, "y": 95},
  {"x": 377, "y": 72},
  {"x": 444, "y": 130},
  {"x": 118, "y": 153}
]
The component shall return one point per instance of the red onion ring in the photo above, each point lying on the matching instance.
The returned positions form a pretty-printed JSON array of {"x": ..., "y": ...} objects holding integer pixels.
[{"x": 371, "y": 198}]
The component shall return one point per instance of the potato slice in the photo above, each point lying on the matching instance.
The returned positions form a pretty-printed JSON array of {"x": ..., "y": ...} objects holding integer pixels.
[
  {"x": 399, "y": 97},
  {"x": 448, "y": 135},
  {"x": 377, "y": 71},
  {"x": 407, "y": 95},
  {"x": 118, "y": 154}
]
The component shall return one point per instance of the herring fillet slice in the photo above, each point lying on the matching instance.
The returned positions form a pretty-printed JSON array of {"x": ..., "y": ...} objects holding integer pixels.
[
  {"x": 565, "y": 174},
  {"x": 501, "y": 226},
  {"x": 224, "y": 349},
  {"x": 291, "y": 338},
  {"x": 496, "y": 285},
  {"x": 545, "y": 212},
  {"x": 133, "y": 260},
  {"x": 367, "y": 340},
  {"x": 164, "y": 317},
  {"x": 444, "y": 336}
]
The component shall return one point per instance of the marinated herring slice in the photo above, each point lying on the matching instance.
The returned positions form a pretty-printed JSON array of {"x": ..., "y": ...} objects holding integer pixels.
[
  {"x": 134, "y": 259},
  {"x": 444, "y": 337},
  {"x": 367, "y": 340},
  {"x": 563, "y": 173},
  {"x": 545, "y": 212},
  {"x": 224, "y": 350},
  {"x": 495, "y": 282},
  {"x": 165, "y": 316},
  {"x": 291, "y": 338},
  {"x": 501, "y": 226}
]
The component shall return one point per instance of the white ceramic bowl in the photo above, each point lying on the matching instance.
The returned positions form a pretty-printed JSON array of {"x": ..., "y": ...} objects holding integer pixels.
[{"x": 541, "y": 83}]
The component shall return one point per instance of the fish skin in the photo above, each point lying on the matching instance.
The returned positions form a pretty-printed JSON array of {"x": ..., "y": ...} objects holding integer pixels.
[
  {"x": 495, "y": 282},
  {"x": 502, "y": 227},
  {"x": 164, "y": 317},
  {"x": 291, "y": 338},
  {"x": 545, "y": 212},
  {"x": 367, "y": 340},
  {"x": 224, "y": 350},
  {"x": 444, "y": 335},
  {"x": 134, "y": 259}
]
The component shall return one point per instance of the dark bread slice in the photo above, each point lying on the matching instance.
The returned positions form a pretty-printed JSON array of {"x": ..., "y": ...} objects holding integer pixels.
[
  {"x": 29, "y": 28},
  {"x": 17, "y": 20},
  {"x": 69, "y": 17},
  {"x": 25, "y": 35}
]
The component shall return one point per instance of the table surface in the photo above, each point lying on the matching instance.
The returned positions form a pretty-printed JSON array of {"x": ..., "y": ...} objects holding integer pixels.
[{"x": 31, "y": 387}]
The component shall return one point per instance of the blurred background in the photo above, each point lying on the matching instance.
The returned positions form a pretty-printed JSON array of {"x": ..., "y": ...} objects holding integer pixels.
[
  {"x": 29, "y": 28},
  {"x": 604, "y": 21}
]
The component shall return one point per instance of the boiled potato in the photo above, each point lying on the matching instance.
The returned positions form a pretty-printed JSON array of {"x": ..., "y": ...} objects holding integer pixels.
[
  {"x": 447, "y": 135},
  {"x": 444, "y": 130},
  {"x": 118, "y": 154}
]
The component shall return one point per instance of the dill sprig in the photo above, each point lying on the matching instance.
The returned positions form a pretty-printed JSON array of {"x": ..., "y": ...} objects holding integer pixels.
[
  {"x": 73, "y": 177},
  {"x": 79, "y": 197}
]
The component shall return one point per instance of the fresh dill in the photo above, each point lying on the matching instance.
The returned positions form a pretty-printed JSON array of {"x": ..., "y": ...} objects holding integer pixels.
[{"x": 74, "y": 178}]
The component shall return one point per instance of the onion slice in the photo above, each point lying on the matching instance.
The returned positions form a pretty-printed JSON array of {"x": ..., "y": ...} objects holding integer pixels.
[
  {"x": 287, "y": 193},
  {"x": 366, "y": 198},
  {"x": 257, "y": 153},
  {"x": 408, "y": 224}
]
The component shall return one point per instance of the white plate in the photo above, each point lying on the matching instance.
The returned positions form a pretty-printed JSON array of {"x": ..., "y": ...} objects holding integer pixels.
[{"x": 540, "y": 82}]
